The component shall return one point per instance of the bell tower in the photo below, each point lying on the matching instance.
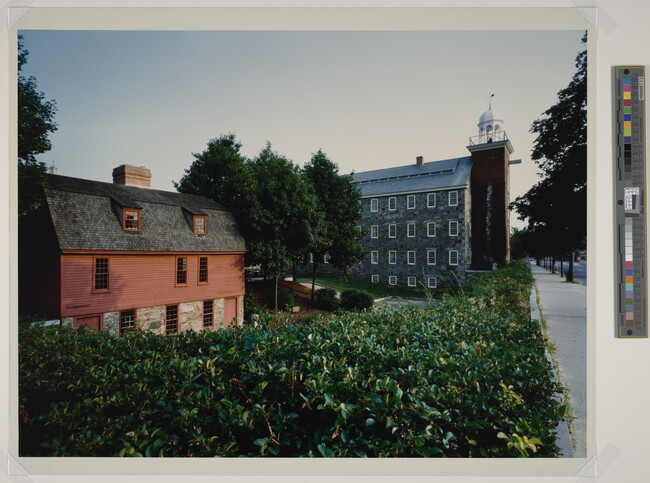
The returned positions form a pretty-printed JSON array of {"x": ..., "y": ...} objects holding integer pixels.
[{"x": 490, "y": 191}]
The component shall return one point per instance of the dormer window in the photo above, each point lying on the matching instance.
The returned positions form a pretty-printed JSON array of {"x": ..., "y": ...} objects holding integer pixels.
[
  {"x": 131, "y": 219},
  {"x": 200, "y": 225}
]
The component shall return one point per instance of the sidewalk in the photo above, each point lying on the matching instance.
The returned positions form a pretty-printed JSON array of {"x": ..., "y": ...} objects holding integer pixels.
[{"x": 564, "y": 307}]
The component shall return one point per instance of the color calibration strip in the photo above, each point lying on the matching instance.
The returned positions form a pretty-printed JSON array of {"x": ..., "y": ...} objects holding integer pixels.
[{"x": 630, "y": 211}]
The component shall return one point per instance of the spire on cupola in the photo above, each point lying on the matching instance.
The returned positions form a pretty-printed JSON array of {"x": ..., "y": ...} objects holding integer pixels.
[{"x": 490, "y": 127}]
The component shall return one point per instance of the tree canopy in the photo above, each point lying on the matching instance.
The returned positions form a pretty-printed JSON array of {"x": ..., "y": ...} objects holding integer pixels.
[
  {"x": 556, "y": 207},
  {"x": 35, "y": 123}
]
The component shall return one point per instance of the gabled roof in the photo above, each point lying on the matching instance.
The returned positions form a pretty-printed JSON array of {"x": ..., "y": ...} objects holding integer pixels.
[
  {"x": 435, "y": 175},
  {"x": 86, "y": 216}
]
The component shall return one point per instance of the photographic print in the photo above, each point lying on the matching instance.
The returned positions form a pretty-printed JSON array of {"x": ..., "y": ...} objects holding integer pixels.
[{"x": 302, "y": 243}]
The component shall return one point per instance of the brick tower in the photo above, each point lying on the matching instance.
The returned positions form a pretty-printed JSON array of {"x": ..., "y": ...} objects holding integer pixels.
[{"x": 490, "y": 192}]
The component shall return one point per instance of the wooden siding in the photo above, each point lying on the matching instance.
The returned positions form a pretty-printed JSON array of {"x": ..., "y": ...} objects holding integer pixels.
[{"x": 146, "y": 280}]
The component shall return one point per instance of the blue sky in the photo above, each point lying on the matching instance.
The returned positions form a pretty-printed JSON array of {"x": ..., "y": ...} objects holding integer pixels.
[{"x": 368, "y": 99}]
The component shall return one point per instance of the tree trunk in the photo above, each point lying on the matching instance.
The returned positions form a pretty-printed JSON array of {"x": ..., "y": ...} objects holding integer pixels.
[
  {"x": 276, "y": 291},
  {"x": 294, "y": 269},
  {"x": 553, "y": 270},
  {"x": 569, "y": 274},
  {"x": 313, "y": 279},
  {"x": 562, "y": 266}
]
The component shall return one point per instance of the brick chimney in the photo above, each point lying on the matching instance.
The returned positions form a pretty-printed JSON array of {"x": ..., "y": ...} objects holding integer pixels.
[
  {"x": 419, "y": 160},
  {"x": 132, "y": 175}
]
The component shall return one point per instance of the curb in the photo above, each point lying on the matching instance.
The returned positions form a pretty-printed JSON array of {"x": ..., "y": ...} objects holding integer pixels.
[{"x": 563, "y": 439}]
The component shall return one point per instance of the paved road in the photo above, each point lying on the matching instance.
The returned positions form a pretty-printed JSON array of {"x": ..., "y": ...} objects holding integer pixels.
[{"x": 564, "y": 307}]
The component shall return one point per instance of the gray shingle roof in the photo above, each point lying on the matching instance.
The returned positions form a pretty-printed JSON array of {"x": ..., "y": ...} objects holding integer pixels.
[
  {"x": 86, "y": 216},
  {"x": 402, "y": 179}
]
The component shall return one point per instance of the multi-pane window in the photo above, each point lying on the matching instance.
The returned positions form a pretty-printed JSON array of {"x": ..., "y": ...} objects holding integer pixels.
[
  {"x": 432, "y": 282},
  {"x": 171, "y": 319},
  {"x": 374, "y": 205},
  {"x": 410, "y": 202},
  {"x": 101, "y": 274},
  {"x": 392, "y": 257},
  {"x": 208, "y": 313},
  {"x": 374, "y": 257},
  {"x": 203, "y": 269},
  {"x": 392, "y": 203},
  {"x": 410, "y": 257},
  {"x": 453, "y": 228},
  {"x": 410, "y": 230},
  {"x": 453, "y": 257},
  {"x": 431, "y": 256},
  {"x": 453, "y": 198},
  {"x": 411, "y": 281},
  {"x": 374, "y": 278},
  {"x": 392, "y": 231},
  {"x": 431, "y": 200},
  {"x": 127, "y": 321},
  {"x": 431, "y": 228},
  {"x": 131, "y": 219},
  {"x": 374, "y": 231},
  {"x": 392, "y": 280},
  {"x": 181, "y": 270},
  {"x": 200, "y": 225}
]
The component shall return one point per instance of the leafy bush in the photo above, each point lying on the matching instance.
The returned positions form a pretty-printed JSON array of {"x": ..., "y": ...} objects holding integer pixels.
[
  {"x": 325, "y": 299},
  {"x": 285, "y": 298},
  {"x": 356, "y": 300},
  {"x": 251, "y": 306},
  {"x": 459, "y": 378}
]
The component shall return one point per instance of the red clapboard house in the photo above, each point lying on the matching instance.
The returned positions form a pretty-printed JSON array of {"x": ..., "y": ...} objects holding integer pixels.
[{"x": 115, "y": 255}]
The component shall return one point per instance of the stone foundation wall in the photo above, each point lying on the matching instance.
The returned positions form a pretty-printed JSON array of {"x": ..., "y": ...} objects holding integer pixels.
[
  {"x": 67, "y": 322},
  {"x": 151, "y": 318},
  {"x": 112, "y": 323},
  {"x": 190, "y": 316}
]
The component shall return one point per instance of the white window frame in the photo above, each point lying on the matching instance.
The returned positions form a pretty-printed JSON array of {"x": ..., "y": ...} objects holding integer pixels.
[
  {"x": 409, "y": 199},
  {"x": 374, "y": 257},
  {"x": 374, "y": 205},
  {"x": 429, "y": 225},
  {"x": 432, "y": 282},
  {"x": 392, "y": 255},
  {"x": 455, "y": 203},
  {"x": 429, "y": 252},
  {"x": 392, "y": 200},
  {"x": 374, "y": 278},
  {"x": 431, "y": 196},
  {"x": 450, "y": 260},
  {"x": 311, "y": 258},
  {"x": 326, "y": 258},
  {"x": 374, "y": 231},
  {"x": 411, "y": 282},
  {"x": 394, "y": 227},
  {"x": 408, "y": 257},
  {"x": 392, "y": 280},
  {"x": 408, "y": 229},
  {"x": 455, "y": 231}
]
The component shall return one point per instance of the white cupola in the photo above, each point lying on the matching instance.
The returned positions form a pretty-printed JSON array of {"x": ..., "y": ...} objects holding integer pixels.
[{"x": 490, "y": 127}]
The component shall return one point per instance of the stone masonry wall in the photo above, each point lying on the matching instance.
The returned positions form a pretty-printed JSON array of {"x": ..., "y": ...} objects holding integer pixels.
[{"x": 190, "y": 316}]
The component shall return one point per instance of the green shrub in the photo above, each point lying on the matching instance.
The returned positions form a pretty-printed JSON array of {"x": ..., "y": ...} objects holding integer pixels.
[
  {"x": 325, "y": 299},
  {"x": 285, "y": 298},
  {"x": 251, "y": 306},
  {"x": 356, "y": 300}
]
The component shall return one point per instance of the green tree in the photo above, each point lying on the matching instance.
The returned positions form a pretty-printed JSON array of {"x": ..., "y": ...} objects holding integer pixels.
[
  {"x": 558, "y": 203},
  {"x": 338, "y": 198},
  {"x": 35, "y": 123}
]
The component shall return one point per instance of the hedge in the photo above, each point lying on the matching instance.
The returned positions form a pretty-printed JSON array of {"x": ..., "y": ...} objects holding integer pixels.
[
  {"x": 460, "y": 378},
  {"x": 353, "y": 299}
]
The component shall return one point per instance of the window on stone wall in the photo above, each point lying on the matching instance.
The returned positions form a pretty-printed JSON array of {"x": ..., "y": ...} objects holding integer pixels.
[
  {"x": 431, "y": 200},
  {"x": 374, "y": 205},
  {"x": 431, "y": 228},
  {"x": 453, "y": 257},
  {"x": 410, "y": 202},
  {"x": 392, "y": 203},
  {"x": 127, "y": 321},
  {"x": 432, "y": 282},
  {"x": 392, "y": 231},
  {"x": 181, "y": 271},
  {"x": 171, "y": 319},
  {"x": 410, "y": 230},
  {"x": 392, "y": 257},
  {"x": 208, "y": 313},
  {"x": 374, "y": 278},
  {"x": 411, "y": 281},
  {"x": 374, "y": 231},
  {"x": 453, "y": 228},
  {"x": 410, "y": 257},
  {"x": 374, "y": 257},
  {"x": 392, "y": 280},
  {"x": 431, "y": 256},
  {"x": 453, "y": 198}
]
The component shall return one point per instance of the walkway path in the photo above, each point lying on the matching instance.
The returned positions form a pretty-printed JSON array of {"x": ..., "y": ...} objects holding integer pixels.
[{"x": 564, "y": 307}]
